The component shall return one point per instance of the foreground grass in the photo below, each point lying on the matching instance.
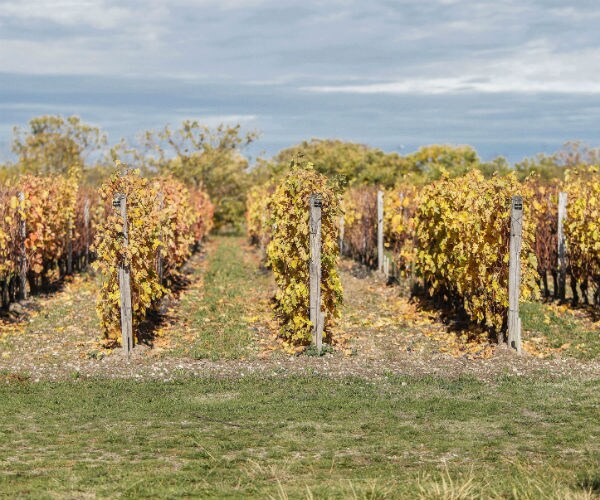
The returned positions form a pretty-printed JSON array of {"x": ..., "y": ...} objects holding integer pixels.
[{"x": 300, "y": 437}]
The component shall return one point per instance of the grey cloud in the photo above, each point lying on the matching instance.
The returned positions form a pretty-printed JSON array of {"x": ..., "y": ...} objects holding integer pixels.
[{"x": 509, "y": 76}]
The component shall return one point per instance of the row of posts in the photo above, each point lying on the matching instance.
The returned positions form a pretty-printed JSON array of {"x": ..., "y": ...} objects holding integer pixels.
[
  {"x": 317, "y": 315},
  {"x": 514, "y": 276}
]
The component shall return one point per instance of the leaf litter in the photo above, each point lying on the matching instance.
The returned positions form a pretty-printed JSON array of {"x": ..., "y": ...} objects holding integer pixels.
[{"x": 380, "y": 333}]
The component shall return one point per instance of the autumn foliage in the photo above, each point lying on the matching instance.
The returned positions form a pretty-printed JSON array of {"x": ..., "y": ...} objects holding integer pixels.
[
  {"x": 463, "y": 234},
  {"x": 544, "y": 212},
  {"x": 258, "y": 218},
  {"x": 55, "y": 230},
  {"x": 400, "y": 208},
  {"x": 10, "y": 213},
  {"x": 360, "y": 224},
  {"x": 582, "y": 230},
  {"x": 289, "y": 253},
  {"x": 165, "y": 221},
  {"x": 454, "y": 234}
]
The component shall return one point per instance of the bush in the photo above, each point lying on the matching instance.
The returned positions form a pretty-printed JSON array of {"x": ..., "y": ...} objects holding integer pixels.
[
  {"x": 463, "y": 234},
  {"x": 289, "y": 253},
  {"x": 360, "y": 224}
]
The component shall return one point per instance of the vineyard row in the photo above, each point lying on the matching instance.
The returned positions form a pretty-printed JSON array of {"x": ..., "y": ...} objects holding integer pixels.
[
  {"x": 50, "y": 227},
  {"x": 452, "y": 235}
]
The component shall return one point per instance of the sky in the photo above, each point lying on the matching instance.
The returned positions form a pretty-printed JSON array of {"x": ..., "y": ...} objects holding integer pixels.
[{"x": 509, "y": 77}]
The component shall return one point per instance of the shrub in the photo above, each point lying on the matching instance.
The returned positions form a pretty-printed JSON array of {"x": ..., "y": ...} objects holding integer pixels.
[{"x": 289, "y": 252}]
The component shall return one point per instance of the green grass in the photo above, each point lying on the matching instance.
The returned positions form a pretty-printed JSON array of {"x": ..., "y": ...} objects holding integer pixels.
[
  {"x": 561, "y": 328},
  {"x": 300, "y": 437},
  {"x": 219, "y": 312}
]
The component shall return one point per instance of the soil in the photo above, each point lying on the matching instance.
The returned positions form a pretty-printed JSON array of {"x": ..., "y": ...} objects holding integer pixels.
[{"x": 381, "y": 333}]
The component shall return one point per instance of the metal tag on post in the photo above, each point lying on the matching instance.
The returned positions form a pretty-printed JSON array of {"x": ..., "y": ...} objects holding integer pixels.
[{"x": 517, "y": 202}]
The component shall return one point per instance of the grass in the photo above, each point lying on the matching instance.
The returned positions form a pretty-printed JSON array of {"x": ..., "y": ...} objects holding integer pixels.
[
  {"x": 300, "y": 437},
  {"x": 561, "y": 327},
  {"x": 221, "y": 311}
]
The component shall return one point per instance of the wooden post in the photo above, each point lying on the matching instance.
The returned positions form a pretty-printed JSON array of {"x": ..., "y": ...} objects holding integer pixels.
[
  {"x": 380, "y": 231},
  {"x": 562, "y": 260},
  {"x": 125, "y": 282},
  {"x": 23, "y": 253},
  {"x": 86, "y": 229},
  {"x": 316, "y": 314},
  {"x": 70, "y": 246},
  {"x": 342, "y": 222},
  {"x": 514, "y": 273},
  {"x": 159, "y": 254}
]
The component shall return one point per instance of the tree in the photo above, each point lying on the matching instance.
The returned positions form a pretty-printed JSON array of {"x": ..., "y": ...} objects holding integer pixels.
[
  {"x": 55, "y": 145},
  {"x": 350, "y": 162},
  {"x": 431, "y": 161},
  {"x": 497, "y": 166},
  {"x": 545, "y": 166},
  {"x": 573, "y": 154},
  {"x": 201, "y": 157}
]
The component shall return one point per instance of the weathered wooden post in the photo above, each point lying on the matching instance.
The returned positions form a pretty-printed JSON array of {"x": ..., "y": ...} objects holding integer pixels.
[
  {"x": 23, "y": 252},
  {"x": 316, "y": 314},
  {"x": 380, "y": 231},
  {"x": 342, "y": 222},
  {"x": 562, "y": 258},
  {"x": 125, "y": 281},
  {"x": 159, "y": 253},
  {"x": 86, "y": 229},
  {"x": 514, "y": 273},
  {"x": 70, "y": 246}
]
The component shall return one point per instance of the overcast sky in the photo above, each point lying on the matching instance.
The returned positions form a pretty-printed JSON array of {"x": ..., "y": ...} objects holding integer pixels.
[{"x": 510, "y": 77}]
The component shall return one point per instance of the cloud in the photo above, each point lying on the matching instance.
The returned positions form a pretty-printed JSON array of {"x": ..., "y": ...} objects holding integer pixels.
[
  {"x": 438, "y": 86},
  {"x": 537, "y": 67},
  {"x": 387, "y": 72},
  {"x": 93, "y": 13}
]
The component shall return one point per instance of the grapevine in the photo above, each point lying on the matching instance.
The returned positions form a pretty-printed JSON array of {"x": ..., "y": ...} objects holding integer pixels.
[
  {"x": 164, "y": 219},
  {"x": 544, "y": 211},
  {"x": 463, "y": 235},
  {"x": 289, "y": 255},
  {"x": 400, "y": 205},
  {"x": 360, "y": 224},
  {"x": 582, "y": 230}
]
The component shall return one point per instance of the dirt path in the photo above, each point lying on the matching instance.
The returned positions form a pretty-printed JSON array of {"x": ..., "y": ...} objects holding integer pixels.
[
  {"x": 221, "y": 325},
  {"x": 225, "y": 311},
  {"x": 53, "y": 333},
  {"x": 222, "y": 313}
]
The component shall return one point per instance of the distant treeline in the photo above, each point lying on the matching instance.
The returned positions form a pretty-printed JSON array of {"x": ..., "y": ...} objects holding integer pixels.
[{"x": 212, "y": 159}]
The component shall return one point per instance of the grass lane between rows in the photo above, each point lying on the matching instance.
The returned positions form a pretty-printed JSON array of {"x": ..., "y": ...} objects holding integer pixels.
[{"x": 215, "y": 317}]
